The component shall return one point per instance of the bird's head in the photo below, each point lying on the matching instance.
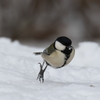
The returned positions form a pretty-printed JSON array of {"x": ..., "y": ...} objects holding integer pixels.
[{"x": 61, "y": 43}]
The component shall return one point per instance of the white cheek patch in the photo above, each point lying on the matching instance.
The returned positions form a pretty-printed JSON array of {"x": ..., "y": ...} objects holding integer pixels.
[{"x": 59, "y": 46}]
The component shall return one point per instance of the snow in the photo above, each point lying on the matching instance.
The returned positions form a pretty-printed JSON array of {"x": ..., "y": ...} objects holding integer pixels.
[{"x": 80, "y": 80}]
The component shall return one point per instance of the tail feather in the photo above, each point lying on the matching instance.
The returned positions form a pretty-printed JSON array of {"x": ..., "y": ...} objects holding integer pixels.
[{"x": 37, "y": 53}]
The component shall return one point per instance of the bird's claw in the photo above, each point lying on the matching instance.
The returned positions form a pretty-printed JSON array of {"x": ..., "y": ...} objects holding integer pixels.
[
  {"x": 40, "y": 77},
  {"x": 41, "y": 73}
]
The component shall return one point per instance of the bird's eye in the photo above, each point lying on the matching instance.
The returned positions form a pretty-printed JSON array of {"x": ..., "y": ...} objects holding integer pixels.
[{"x": 69, "y": 48}]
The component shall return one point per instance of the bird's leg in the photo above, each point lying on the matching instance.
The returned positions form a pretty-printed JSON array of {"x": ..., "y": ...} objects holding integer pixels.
[{"x": 41, "y": 73}]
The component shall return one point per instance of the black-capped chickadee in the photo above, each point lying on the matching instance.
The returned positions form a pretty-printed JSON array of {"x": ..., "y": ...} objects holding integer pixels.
[{"x": 57, "y": 55}]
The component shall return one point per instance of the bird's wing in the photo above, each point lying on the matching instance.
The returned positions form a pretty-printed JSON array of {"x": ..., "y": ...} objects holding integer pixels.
[
  {"x": 49, "y": 50},
  {"x": 37, "y": 53}
]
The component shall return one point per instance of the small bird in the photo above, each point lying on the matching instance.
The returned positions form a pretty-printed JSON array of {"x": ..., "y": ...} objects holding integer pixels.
[{"x": 57, "y": 55}]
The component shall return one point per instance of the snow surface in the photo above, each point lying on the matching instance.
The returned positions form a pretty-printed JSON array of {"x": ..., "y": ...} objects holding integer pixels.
[{"x": 80, "y": 80}]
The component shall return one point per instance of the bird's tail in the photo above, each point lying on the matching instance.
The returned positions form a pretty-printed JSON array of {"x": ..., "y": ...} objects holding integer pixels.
[{"x": 37, "y": 53}]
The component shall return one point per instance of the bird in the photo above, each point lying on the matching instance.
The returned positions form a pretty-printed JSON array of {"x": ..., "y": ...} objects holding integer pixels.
[{"x": 57, "y": 55}]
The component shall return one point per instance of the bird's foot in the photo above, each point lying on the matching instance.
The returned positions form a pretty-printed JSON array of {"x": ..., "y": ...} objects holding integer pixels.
[{"x": 41, "y": 73}]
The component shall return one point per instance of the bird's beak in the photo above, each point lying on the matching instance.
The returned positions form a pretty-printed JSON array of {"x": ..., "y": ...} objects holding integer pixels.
[{"x": 69, "y": 47}]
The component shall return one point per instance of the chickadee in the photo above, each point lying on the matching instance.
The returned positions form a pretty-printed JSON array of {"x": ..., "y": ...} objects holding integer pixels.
[{"x": 57, "y": 55}]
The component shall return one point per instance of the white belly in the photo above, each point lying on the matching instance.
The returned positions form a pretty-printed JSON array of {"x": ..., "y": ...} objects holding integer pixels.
[{"x": 56, "y": 59}]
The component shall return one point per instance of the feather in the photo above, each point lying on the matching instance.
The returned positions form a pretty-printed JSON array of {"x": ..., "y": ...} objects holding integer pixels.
[{"x": 37, "y": 53}]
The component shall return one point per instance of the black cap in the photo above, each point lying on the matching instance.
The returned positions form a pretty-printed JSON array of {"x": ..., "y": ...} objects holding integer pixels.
[{"x": 64, "y": 40}]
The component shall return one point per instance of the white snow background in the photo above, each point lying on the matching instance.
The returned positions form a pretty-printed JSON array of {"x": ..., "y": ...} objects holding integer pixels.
[{"x": 80, "y": 80}]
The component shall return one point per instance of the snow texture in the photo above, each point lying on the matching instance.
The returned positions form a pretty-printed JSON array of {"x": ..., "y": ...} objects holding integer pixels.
[{"x": 80, "y": 80}]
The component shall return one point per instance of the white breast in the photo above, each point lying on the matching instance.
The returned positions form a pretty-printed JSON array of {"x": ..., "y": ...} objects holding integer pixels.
[{"x": 56, "y": 59}]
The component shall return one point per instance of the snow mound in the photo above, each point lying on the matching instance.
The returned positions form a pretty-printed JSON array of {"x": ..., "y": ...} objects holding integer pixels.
[{"x": 80, "y": 80}]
